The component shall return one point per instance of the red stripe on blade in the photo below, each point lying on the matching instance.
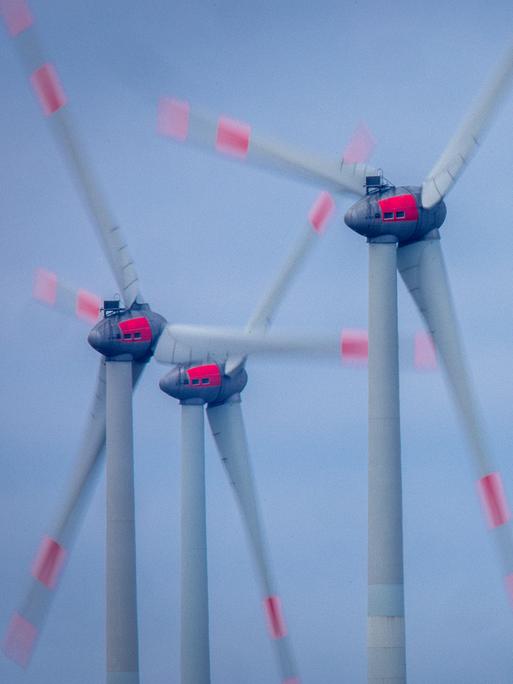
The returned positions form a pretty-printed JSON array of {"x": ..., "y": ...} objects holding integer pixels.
[
  {"x": 493, "y": 498},
  {"x": 48, "y": 89},
  {"x": 276, "y": 623},
  {"x": 232, "y": 137},
  {"x": 424, "y": 353},
  {"x": 360, "y": 146},
  {"x": 87, "y": 306},
  {"x": 19, "y": 640},
  {"x": 17, "y": 16},
  {"x": 354, "y": 346},
  {"x": 45, "y": 286},
  {"x": 508, "y": 580},
  {"x": 321, "y": 211},
  {"x": 49, "y": 562},
  {"x": 173, "y": 118}
]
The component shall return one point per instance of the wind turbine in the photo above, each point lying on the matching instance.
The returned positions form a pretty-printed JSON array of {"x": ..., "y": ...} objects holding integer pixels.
[
  {"x": 401, "y": 225},
  {"x": 126, "y": 338}
]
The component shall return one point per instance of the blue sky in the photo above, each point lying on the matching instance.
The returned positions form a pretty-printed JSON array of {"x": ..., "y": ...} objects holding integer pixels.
[{"x": 207, "y": 236}]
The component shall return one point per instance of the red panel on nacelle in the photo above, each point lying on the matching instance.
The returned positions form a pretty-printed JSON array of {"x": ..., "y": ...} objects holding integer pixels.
[
  {"x": 209, "y": 372},
  {"x": 399, "y": 203},
  {"x": 133, "y": 327}
]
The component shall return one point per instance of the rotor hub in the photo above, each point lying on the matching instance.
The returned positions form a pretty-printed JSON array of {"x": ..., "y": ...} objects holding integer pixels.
[{"x": 394, "y": 211}]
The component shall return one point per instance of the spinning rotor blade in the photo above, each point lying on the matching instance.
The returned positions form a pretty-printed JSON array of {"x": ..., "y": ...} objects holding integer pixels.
[
  {"x": 181, "y": 344},
  {"x": 176, "y": 119},
  {"x": 51, "y": 291},
  {"x": 264, "y": 312},
  {"x": 52, "y": 98},
  {"x": 26, "y": 624},
  {"x": 227, "y": 425},
  {"x": 469, "y": 135},
  {"x": 422, "y": 268}
]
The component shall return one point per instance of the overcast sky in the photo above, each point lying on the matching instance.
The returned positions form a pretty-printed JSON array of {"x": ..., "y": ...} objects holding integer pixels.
[{"x": 207, "y": 236}]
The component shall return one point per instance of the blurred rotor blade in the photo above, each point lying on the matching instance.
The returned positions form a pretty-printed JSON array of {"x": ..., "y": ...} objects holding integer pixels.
[
  {"x": 422, "y": 268},
  {"x": 176, "y": 119},
  {"x": 195, "y": 343},
  {"x": 469, "y": 135},
  {"x": 52, "y": 98},
  {"x": 26, "y": 624},
  {"x": 53, "y": 292},
  {"x": 264, "y": 313},
  {"x": 227, "y": 425},
  {"x": 361, "y": 145}
]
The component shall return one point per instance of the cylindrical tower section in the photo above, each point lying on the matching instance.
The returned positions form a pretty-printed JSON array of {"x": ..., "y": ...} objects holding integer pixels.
[
  {"x": 386, "y": 638},
  {"x": 195, "y": 651},
  {"x": 121, "y": 589}
]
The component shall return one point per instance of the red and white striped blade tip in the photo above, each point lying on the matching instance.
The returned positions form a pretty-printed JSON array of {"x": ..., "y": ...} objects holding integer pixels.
[
  {"x": 20, "y": 640},
  {"x": 360, "y": 147},
  {"x": 49, "y": 562},
  {"x": 16, "y": 15},
  {"x": 229, "y": 136},
  {"x": 321, "y": 211},
  {"x": 275, "y": 619},
  {"x": 354, "y": 346},
  {"x": 50, "y": 291}
]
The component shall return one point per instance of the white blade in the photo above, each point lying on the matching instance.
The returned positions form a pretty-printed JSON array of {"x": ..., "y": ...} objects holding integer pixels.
[
  {"x": 53, "y": 292},
  {"x": 176, "y": 119},
  {"x": 227, "y": 425},
  {"x": 264, "y": 313},
  {"x": 27, "y": 622},
  {"x": 52, "y": 98},
  {"x": 422, "y": 268},
  {"x": 469, "y": 136},
  {"x": 189, "y": 344}
]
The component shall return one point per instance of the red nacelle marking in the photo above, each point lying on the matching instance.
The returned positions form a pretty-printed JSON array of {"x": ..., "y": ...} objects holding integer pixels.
[
  {"x": 399, "y": 203},
  {"x": 272, "y": 605},
  {"x": 19, "y": 640},
  {"x": 494, "y": 499},
  {"x": 48, "y": 88},
  {"x": 133, "y": 327},
  {"x": 232, "y": 137},
  {"x": 424, "y": 353},
  {"x": 16, "y": 15},
  {"x": 208, "y": 372},
  {"x": 49, "y": 562},
  {"x": 321, "y": 211}
]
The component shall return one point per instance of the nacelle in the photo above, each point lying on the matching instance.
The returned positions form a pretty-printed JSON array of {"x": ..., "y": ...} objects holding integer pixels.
[{"x": 397, "y": 212}]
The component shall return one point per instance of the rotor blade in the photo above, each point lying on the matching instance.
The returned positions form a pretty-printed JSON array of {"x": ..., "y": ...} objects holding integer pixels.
[
  {"x": 52, "y": 98},
  {"x": 264, "y": 313},
  {"x": 26, "y": 624},
  {"x": 227, "y": 425},
  {"x": 422, "y": 268},
  {"x": 53, "y": 292},
  {"x": 469, "y": 135},
  {"x": 194, "y": 343},
  {"x": 176, "y": 119}
]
